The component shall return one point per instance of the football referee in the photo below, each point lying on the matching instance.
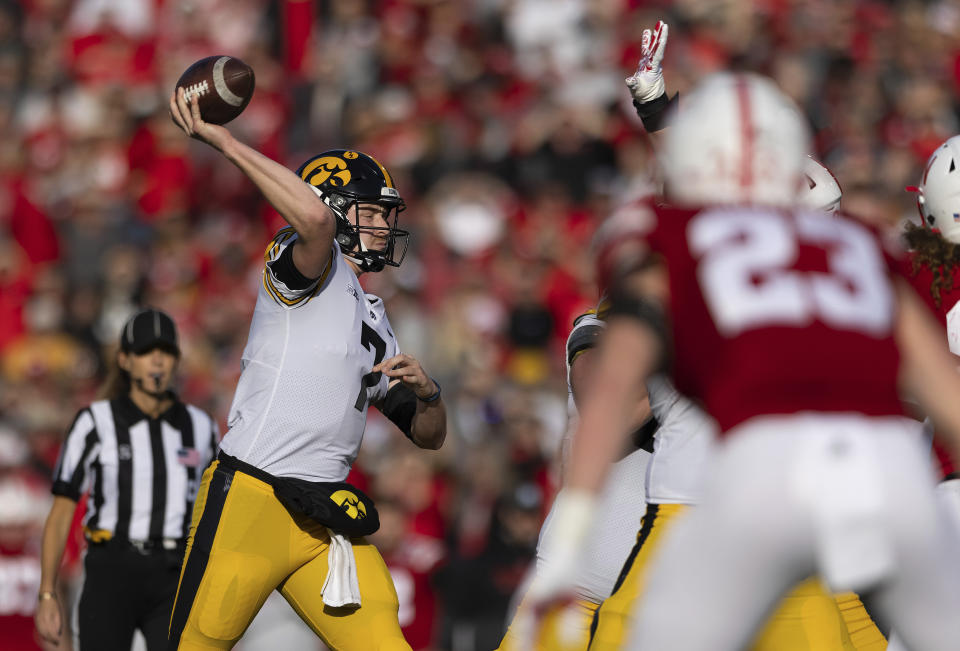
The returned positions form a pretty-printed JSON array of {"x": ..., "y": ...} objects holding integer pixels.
[{"x": 140, "y": 452}]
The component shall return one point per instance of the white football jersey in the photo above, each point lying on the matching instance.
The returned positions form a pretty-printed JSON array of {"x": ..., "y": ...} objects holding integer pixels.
[
  {"x": 301, "y": 403},
  {"x": 619, "y": 508},
  {"x": 682, "y": 441},
  {"x": 672, "y": 474},
  {"x": 681, "y": 445}
]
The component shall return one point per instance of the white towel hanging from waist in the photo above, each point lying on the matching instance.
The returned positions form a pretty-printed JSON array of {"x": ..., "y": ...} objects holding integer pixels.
[{"x": 341, "y": 587}]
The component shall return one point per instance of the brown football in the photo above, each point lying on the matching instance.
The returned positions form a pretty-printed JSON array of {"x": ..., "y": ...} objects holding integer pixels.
[{"x": 223, "y": 84}]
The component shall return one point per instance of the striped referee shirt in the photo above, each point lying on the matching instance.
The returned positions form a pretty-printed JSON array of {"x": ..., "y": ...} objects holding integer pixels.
[{"x": 142, "y": 473}]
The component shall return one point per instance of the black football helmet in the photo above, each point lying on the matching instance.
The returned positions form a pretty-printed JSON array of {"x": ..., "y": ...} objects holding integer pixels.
[{"x": 344, "y": 179}]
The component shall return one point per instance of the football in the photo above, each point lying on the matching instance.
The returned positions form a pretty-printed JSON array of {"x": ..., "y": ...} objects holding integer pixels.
[{"x": 223, "y": 84}]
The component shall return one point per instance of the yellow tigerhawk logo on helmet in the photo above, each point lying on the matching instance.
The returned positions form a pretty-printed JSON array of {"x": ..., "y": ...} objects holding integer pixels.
[
  {"x": 325, "y": 167},
  {"x": 350, "y": 503}
]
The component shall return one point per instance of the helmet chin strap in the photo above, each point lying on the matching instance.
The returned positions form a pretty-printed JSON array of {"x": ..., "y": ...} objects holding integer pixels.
[
  {"x": 370, "y": 262},
  {"x": 365, "y": 263}
]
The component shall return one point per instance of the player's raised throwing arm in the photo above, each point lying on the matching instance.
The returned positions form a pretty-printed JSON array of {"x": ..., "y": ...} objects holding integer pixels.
[{"x": 314, "y": 222}]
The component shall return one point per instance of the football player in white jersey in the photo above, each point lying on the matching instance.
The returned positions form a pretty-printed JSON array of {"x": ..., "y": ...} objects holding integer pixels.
[
  {"x": 274, "y": 511},
  {"x": 567, "y": 626}
]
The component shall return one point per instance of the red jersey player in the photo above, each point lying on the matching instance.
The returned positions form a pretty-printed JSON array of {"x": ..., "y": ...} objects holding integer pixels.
[
  {"x": 935, "y": 274},
  {"x": 935, "y": 257},
  {"x": 790, "y": 326}
]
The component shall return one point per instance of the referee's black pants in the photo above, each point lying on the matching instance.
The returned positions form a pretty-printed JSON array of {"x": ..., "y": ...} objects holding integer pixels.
[{"x": 125, "y": 589}]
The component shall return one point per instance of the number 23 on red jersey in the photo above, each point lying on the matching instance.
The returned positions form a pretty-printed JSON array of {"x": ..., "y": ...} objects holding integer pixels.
[{"x": 752, "y": 274}]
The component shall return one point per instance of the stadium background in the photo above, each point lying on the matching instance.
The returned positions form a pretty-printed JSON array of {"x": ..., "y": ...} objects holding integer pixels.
[{"x": 510, "y": 133}]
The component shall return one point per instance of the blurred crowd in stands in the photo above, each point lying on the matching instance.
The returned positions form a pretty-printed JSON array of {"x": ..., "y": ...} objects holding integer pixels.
[{"x": 510, "y": 133}]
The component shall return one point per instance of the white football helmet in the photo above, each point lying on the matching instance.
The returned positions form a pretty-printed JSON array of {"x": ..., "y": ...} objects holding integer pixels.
[
  {"x": 939, "y": 192},
  {"x": 822, "y": 190},
  {"x": 737, "y": 139}
]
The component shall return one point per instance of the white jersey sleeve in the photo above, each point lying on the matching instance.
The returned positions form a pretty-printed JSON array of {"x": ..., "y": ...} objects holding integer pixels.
[
  {"x": 684, "y": 435},
  {"x": 621, "y": 504},
  {"x": 681, "y": 446},
  {"x": 586, "y": 328}
]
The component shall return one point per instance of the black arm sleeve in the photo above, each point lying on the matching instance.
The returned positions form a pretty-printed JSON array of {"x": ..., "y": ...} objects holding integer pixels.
[
  {"x": 654, "y": 114},
  {"x": 647, "y": 313},
  {"x": 287, "y": 272},
  {"x": 400, "y": 405}
]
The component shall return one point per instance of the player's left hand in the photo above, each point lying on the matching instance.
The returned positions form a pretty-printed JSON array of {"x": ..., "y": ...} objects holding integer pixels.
[
  {"x": 646, "y": 84},
  {"x": 408, "y": 370}
]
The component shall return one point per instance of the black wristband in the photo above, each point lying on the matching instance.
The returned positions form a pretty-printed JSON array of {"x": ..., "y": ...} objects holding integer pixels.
[
  {"x": 654, "y": 113},
  {"x": 432, "y": 397}
]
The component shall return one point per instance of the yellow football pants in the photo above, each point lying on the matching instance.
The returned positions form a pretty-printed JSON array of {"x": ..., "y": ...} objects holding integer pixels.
[
  {"x": 808, "y": 619},
  {"x": 243, "y": 544},
  {"x": 563, "y": 628}
]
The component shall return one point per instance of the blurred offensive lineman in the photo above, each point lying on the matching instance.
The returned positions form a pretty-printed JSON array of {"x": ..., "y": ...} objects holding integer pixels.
[
  {"x": 668, "y": 478},
  {"x": 274, "y": 511},
  {"x": 791, "y": 327},
  {"x": 567, "y": 627},
  {"x": 808, "y": 618}
]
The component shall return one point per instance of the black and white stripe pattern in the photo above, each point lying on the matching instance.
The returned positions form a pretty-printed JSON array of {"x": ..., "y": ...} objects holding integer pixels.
[{"x": 141, "y": 473}]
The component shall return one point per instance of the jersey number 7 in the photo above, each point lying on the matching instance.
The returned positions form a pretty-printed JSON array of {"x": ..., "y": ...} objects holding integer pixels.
[{"x": 369, "y": 336}]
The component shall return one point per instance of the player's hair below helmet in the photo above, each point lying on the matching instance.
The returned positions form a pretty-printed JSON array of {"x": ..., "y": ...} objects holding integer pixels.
[
  {"x": 821, "y": 190},
  {"x": 737, "y": 139},
  {"x": 346, "y": 180},
  {"x": 939, "y": 191}
]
